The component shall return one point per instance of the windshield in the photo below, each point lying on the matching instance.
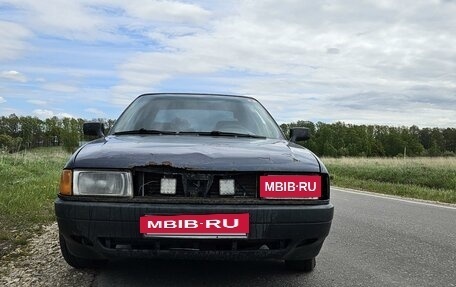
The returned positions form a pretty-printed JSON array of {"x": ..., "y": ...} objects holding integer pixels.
[{"x": 197, "y": 114}]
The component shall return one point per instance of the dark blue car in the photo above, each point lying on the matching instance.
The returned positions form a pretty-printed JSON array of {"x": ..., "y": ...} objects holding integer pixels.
[{"x": 194, "y": 176}]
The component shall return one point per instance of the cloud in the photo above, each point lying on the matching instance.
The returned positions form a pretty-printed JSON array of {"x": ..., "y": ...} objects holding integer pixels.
[
  {"x": 332, "y": 51},
  {"x": 13, "y": 37},
  {"x": 100, "y": 19},
  {"x": 325, "y": 51},
  {"x": 69, "y": 19},
  {"x": 95, "y": 112},
  {"x": 45, "y": 114},
  {"x": 122, "y": 95},
  {"x": 170, "y": 11},
  {"x": 60, "y": 87},
  {"x": 2, "y": 100},
  {"x": 8, "y": 111},
  {"x": 37, "y": 102},
  {"x": 13, "y": 75}
]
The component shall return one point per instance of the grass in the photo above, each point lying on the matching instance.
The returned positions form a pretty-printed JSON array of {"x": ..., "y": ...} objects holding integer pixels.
[
  {"x": 28, "y": 188},
  {"x": 422, "y": 178}
]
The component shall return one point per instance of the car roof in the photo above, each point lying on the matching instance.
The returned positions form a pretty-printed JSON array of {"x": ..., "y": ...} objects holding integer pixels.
[{"x": 196, "y": 95}]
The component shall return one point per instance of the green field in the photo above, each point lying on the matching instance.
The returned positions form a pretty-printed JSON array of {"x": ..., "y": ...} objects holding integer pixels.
[
  {"x": 423, "y": 178},
  {"x": 28, "y": 188}
]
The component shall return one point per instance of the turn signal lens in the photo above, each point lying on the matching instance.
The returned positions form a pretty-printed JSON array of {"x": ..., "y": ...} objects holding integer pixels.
[{"x": 66, "y": 182}]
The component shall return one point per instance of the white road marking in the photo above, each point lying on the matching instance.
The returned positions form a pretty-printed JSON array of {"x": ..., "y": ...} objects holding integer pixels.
[{"x": 392, "y": 197}]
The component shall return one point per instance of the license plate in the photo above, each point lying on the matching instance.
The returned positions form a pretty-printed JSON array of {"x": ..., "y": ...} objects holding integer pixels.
[
  {"x": 195, "y": 225},
  {"x": 290, "y": 186}
]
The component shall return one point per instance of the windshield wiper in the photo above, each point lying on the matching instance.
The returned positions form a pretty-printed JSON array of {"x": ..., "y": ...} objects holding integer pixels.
[
  {"x": 212, "y": 133},
  {"x": 144, "y": 132},
  {"x": 224, "y": 134}
]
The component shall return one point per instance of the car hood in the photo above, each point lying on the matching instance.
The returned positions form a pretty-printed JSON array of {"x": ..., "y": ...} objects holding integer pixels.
[{"x": 195, "y": 153}]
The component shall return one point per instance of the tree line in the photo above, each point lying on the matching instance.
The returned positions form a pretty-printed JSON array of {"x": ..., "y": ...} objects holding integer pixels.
[
  {"x": 341, "y": 139},
  {"x": 19, "y": 132},
  {"x": 332, "y": 140}
]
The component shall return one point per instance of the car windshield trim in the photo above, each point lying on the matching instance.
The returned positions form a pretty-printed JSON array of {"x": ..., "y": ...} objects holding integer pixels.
[{"x": 144, "y": 131}]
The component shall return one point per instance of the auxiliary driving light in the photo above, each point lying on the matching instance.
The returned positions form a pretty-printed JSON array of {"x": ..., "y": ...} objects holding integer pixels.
[
  {"x": 168, "y": 186},
  {"x": 227, "y": 187}
]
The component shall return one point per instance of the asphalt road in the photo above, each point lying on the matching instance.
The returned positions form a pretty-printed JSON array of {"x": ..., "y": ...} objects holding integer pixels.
[{"x": 374, "y": 241}]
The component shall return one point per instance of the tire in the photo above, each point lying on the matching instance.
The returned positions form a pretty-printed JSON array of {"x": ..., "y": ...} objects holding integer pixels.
[
  {"x": 78, "y": 262},
  {"x": 306, "y": 265}
]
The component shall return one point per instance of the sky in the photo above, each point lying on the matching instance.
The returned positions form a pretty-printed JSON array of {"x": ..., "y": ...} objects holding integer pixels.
[{"x": 360, "y": 62}]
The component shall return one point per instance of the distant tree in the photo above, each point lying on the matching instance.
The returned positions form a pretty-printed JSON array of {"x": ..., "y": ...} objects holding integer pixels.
[
  {"x": 13, "y": 125},
  {"x": 70, "y": 134},
  {"x": 449, "y": 139},
  {"x": 285, "y": 129},
  {"x": 410, "y": 137},
  {"x": 31, "y": 131},
  {"x": 52, "y": 131},
  {"x": 9, "y": 144},
  {"x": 425, "y": 137},
  {"x": 434, "y": 150},
  {"x": 109, "y": 124}
]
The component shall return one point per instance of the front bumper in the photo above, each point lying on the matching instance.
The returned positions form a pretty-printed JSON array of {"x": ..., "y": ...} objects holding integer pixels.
[{"x": 101, "y": 230}]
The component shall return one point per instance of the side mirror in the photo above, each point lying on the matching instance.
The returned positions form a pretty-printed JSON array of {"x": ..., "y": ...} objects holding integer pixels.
[
  {"x": 93, "y": 129},
  {"x": 299, "y": 134}
]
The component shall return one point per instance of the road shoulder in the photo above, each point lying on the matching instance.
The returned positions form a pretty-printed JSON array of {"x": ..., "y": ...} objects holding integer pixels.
[
  {"x": 395, "y": 197},
  {"x": 40, "y": 263}
]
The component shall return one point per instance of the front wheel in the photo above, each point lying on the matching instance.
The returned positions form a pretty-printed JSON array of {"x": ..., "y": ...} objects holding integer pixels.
[
  {"x": 306, "y": 265},
  {"x": 77, "y": 262}
]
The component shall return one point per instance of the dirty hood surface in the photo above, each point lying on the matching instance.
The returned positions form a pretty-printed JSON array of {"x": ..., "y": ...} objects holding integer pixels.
[{"x": 195, "y": 153}]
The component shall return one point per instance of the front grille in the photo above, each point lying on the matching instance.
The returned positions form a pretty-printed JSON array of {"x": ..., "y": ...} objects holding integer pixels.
[{"x": 195, "y": 184}]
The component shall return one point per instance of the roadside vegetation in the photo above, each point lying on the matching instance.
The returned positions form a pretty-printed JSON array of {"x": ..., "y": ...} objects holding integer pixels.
[
  {"x": 28, "y": 188},
  {"x": 422, "y": 178},
  {"x": 347, "y": 140},
  {"x": 25, "y": 132}
]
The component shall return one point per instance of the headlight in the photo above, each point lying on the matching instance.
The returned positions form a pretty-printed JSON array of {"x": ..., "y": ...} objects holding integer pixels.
[{"x": 108, "y": 183}]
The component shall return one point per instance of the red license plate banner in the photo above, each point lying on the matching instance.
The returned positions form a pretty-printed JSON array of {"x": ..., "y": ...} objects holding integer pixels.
[
  {"x": 195, "y": 225},
  {"x": 290, "y": 186}
]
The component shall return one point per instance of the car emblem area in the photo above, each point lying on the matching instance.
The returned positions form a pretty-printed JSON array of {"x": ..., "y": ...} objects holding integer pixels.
[{"x": 197, "y": 185}]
